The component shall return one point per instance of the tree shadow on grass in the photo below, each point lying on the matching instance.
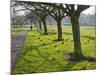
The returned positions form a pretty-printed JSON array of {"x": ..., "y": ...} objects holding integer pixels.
[
  {"x": 45, "y": 57},
  {"x": 32, "y": 47},
  {"x": 51, "y": 61},
  {"x": 57, "y": 40},
  {"x": 31, "y": 36},
  {"x": 68, "y": 66},
  {"x": 38, "y": 66},
  {"x": 88, "y": 37},
  {"x": 35, "y": 48},
  {"x": 73, "y": 59}
]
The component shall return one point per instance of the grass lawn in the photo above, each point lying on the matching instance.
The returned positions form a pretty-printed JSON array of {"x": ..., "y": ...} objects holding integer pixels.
[
  {"x": 42, "y": 54},
  {"x": 15, "y": 30}
]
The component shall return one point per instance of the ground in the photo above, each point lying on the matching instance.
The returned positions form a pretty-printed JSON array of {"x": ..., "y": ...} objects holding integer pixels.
[
  {"x": 15, "y": 30},
  {"x": 17, "y": 43},
  {"x": 41, "y": 53}
]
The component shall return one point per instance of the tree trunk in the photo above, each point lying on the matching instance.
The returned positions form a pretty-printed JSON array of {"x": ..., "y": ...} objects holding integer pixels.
[
  {"x": 35, "y": 24},
  {"x": 40, "y": 27},
  {"x": 59, "y": 30},
  {"x": 76, "y": 37},
  {"x": 45, "y": 26},
  {"x": 31, "y": 25}
]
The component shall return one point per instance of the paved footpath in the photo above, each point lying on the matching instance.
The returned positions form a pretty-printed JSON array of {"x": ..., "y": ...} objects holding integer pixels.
[{"x": 17, "y": 43}]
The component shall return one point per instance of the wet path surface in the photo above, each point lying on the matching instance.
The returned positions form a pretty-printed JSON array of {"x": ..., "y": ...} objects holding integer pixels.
[{"x": 17, "y": 43}]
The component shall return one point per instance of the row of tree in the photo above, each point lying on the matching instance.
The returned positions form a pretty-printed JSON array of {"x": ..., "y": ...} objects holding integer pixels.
[{"x": 57, "y": 12}]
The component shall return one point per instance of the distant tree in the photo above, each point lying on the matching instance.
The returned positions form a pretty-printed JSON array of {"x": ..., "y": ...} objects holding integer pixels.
[
  {"x": 31, "y": 7},
  {"x": 16, "y": 19},
  {"x": 42, "y": 14},
  {"x": 57, "y": 14},
  {"x": 33, "y": 18}
]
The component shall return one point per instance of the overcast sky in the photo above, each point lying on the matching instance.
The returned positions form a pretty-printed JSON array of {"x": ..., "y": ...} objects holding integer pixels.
[{"x": 90, "y": 10}]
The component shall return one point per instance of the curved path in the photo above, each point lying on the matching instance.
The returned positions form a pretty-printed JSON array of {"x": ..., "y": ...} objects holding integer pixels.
[{"x": 17, "y": 43}]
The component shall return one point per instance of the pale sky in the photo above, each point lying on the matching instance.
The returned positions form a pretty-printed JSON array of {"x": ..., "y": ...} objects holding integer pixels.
[{"x": 90, "y": 10}]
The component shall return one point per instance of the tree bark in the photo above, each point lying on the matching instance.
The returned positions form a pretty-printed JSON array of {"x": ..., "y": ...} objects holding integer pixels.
[
  {"x": 40, "y": 27},
  {"x": 76, "y": 36},
  {"x": 45, "y": 26},
  {"x": 59, "y": 30}
]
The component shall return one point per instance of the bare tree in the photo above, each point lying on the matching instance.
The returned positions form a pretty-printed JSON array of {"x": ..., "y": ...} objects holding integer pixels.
[
  {"x": 33, "y": 18},
  {"x": 31, "y": 6},
  {"x": 57, "y": 14},
  {"x": 74, "y": 11}
]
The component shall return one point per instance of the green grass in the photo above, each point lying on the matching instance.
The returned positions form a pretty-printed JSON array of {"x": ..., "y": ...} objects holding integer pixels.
[{"x": 42, "y": 54}]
